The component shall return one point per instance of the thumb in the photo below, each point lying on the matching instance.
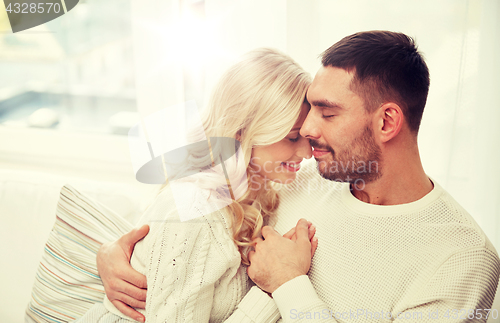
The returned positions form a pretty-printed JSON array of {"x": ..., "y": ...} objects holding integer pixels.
[{"x": 129, "y": 240}]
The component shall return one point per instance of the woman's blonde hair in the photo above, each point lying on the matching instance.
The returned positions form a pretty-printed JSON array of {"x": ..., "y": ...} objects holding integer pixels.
[{"x": 256, "y": 101}]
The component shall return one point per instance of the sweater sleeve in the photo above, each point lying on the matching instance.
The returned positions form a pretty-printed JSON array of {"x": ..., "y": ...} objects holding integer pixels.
[
  {"x": 297, "y": 301},
  {"x": 184, "y": 266},
  {"x": 255, "y": 307},
  {"x": 461, "y": 290}
]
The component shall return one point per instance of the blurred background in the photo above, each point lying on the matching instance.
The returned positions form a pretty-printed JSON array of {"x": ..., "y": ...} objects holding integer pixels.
[{"x": 70, "y": 89}]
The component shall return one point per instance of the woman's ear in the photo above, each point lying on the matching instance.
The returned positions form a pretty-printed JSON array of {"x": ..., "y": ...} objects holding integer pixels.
[
  {"x": 238, "y": 135},
  {"x": 391, "y": 121}
]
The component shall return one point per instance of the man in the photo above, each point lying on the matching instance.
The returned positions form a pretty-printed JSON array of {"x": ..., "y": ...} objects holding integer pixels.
[{"x": 393, "y": 245}]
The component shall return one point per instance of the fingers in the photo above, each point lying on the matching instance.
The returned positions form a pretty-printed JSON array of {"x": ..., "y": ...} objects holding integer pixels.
[
  {"x": 293, "y": 236},
  {"x": 134, "y": 277},
  {"x": 129, "y": 301},
  {"x": 302, "y": 230},
  {"x": 312, "y": 231},
  {"x": 314, "y": 246},
  {"x": 312, "y": 238},
  {"x": 132, "y": 291},
  {"x": 127, "y": 310},
  {"x": 290, "y": 233}
]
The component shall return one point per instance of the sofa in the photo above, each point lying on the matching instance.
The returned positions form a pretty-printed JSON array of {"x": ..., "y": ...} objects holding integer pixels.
[{"x": 28, "y": 201}]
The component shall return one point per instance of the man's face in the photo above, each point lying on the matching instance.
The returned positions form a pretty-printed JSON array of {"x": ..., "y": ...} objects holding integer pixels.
[{"x": 340, "y": 130}]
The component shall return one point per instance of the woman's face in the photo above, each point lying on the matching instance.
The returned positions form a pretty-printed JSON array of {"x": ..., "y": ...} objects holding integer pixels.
[{"x": 280, "y": 161}]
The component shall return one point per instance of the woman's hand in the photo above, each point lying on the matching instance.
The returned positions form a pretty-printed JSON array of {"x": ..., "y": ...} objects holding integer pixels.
[
  {"x": 124, "y": 286},
  {"x": 312, "y": 231},
  {"x": 278, "y": 259}
]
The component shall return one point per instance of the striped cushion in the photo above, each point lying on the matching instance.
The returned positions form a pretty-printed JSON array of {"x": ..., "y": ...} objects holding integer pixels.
[{"x": 67, "y": 283}]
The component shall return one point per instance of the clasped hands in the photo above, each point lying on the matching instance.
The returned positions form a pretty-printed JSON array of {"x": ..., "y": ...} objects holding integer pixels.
[{"x": 274, "y": 260}]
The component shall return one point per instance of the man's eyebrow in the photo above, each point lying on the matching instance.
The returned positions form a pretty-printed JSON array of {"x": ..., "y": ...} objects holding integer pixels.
[{"x": 326, "y": 104}]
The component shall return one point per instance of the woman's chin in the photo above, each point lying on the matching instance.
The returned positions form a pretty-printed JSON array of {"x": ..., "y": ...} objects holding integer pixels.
[{"x": 284, "y": 179}]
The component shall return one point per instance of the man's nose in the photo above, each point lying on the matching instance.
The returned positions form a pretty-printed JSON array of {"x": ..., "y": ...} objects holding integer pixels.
[{"x": 310, "y": 129}]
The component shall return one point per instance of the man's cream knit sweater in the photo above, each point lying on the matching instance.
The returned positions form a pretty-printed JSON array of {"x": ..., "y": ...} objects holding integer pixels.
[{"x": 425, "y": 261}]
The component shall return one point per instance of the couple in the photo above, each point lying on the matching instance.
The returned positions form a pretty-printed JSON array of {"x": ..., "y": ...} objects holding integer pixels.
[{"x": 388, "y": 242}]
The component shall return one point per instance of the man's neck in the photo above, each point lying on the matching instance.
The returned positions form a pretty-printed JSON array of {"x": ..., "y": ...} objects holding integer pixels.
[{"x": 399, "y": 184}]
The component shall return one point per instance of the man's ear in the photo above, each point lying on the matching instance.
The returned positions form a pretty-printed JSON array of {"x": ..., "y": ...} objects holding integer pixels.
[{"x": 390, "y": 121}]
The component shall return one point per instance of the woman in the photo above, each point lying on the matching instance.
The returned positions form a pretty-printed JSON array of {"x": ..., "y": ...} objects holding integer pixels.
[{"x": 193, "y": 268}]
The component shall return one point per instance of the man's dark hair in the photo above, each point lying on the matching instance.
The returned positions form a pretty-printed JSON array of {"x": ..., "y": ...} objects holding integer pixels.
[{"x": 387, "y": 68}]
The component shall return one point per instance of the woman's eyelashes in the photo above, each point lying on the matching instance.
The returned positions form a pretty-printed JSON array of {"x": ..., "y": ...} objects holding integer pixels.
[
  {"x": 326, "y": 117},
  {"x": 294, "y": 139}
]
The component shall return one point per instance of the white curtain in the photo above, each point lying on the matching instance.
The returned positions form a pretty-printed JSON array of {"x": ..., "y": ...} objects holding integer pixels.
[{"x": 460, "y": 39}]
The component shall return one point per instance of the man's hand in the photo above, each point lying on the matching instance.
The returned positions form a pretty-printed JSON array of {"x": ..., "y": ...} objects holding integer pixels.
[
  {"x": 123, "y": 285},
  {"x": 278, "y": 259},
  {"x": 292, "y": 235}
]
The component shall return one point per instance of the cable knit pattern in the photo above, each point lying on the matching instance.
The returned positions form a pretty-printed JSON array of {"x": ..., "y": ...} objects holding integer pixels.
[
  {"x": 192, "y": 268},
  {"x": 423, "y": 258}
]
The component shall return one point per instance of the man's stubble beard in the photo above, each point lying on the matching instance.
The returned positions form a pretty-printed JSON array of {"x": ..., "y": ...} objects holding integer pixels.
[{"x": 359, "y": 163}]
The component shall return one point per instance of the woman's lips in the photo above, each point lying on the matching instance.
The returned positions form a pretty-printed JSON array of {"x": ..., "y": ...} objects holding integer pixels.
[
  {"x": 291, "y": 167},
  {"x": 318, "y": 153}
]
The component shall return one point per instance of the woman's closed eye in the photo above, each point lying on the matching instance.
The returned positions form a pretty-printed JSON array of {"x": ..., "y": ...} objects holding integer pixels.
[
  {"x": 294, "y": 139},
  {"x": 329, "y": 116}
]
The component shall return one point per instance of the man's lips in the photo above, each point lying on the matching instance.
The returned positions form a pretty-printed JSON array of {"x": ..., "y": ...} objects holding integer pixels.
[{"x": 320, "y": 152}]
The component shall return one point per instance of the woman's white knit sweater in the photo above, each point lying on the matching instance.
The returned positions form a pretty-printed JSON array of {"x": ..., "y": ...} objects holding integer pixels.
[{"x": 192, "y": 268}]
